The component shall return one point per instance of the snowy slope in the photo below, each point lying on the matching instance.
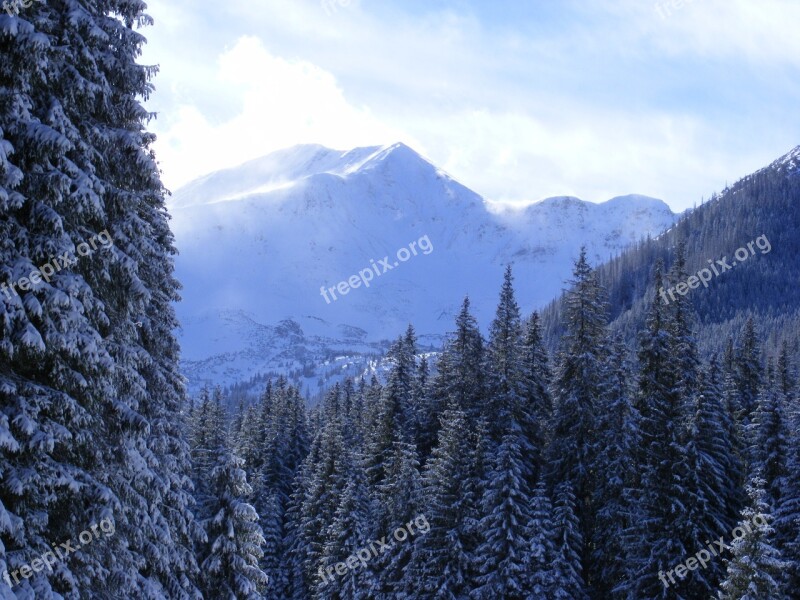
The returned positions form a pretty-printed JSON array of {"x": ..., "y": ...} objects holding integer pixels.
[{"x": 259, "y": 241}]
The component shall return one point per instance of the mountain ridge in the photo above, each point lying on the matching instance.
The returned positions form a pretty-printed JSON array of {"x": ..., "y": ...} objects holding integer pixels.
[{"x": 327, "y": 214}]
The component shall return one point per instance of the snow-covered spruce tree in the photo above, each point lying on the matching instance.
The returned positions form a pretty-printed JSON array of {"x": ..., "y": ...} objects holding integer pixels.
[
  {"x": 319, "y": 486},
  {"x": 581, "y": 381},
  {"x": 397, "y": 503},
  {"x": 460, "y": 380},
  {"x": 544, "y": 570},
  {"x": 424, "y": 429},
  {"x": 503, "y": 554},
  {"x": 755, "y": 570},
  {"x": 295, "y": 538},
  {"x": 91, "y": 402},
  {"x": 504, "y": 551},
  {"x": 619, "y": 439},
  {"x": 715, "y": 466},
  {"x": 230, "y": 565},
  {"x": 207, "y": 438},
  {"x": 787, "y": 511},
  {"x": 701, "y": 476},
  {"x": 275, "y": 441},
  {"x": 735, "y": 433},
  {"x": 748, "y": 374},
  {"x": 681, "y": 324},
  {"x": 443, "y": 559},
  {"x": 392, "y": 419},
  {"x": 769, "y": 436},
  {"x": 658, "y": 528},
  {"x": 569, "y": 584},
  {"x": 507, "y": 404},
  {"x": 350, "y": 531},
  {"x": 537, "y": 377}
]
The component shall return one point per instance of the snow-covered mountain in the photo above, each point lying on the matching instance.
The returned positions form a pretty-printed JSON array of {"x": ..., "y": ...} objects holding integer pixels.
[{"x": 258, "y": 242}]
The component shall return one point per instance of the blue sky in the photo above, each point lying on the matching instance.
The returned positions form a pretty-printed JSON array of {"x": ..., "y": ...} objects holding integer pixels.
[{"x": 517, "y": 100}]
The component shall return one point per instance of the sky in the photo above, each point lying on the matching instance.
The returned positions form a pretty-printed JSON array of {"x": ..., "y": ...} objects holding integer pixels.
[{"x": 518, "y": 100}]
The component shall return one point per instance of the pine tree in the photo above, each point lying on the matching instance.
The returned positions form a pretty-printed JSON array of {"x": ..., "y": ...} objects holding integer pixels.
[
  {"x": 93, "y": 402},
  {"x": 507, "y": 405},
  {"x": 461, "y": 379},
  {"x": 536, "y": 382},
  {"x": 544, "y": 568},
  {"x": 350, "y": 531},
  {"x": 660, "y": 525},
  {"x": 754, "y": 571},
  {"x": 581, "y": 382},
  {"x": 442, "y": 562},
  {"x": 618, "y": 441},
  {"x": 504, "y": 552},
  {"x": 231, "y": 563},
  {"x": 568, "y": 546}
]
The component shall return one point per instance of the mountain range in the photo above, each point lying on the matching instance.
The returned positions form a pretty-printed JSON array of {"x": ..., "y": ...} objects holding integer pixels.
[{"x": 271, "y": 251}]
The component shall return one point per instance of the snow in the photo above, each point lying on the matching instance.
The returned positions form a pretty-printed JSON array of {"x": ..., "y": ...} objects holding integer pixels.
[{"x": 309, "y": 216}]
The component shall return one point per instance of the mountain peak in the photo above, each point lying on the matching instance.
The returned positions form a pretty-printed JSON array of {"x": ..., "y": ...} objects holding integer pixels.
[
  {"x": 788, "y": 162},
  {"x": 288, "y": 166}
]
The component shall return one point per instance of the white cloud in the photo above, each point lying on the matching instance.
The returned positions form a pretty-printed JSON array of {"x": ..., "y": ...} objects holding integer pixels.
[
  {"x": 278, "y": 103},
  {"x": 590, "y": 99}
]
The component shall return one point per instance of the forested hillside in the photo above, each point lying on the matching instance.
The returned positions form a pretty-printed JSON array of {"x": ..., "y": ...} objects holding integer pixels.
[{"x": 765, "y": 286}]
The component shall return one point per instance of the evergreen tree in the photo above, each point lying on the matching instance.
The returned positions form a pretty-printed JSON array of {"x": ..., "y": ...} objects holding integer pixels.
[
  {"x": 397, "y": 503},
  {"x": 536, "y": 382},
  {"x": 393, "y": 418},
  {"x": 754, "y": 571},
  {"x": 769, "y": 435},
  {"x": 350, "y": 531},
  {"x": 506, "y": 400},
  {"x": 443, "y": 559},
  {"x": 504, "y": 552},
  {"x": 716, "y": 464},
  {"x": 618, "y": 441},
  {"x": 581, "y": 381},
  {"x": 748, "y": 374},
  {"x": 664, "y": 502},
  {"x": 787, "y": 509},
  {"x": 231, "y": 563},
  {"x": 426, "y": 417},
  {"x": 92, "y": 404},
  {"x": 461, "y": 379},
  {"x": 545, "y": 574},
  {"x": 319, "y": 485},
  {"x": 568, "y": 546}
]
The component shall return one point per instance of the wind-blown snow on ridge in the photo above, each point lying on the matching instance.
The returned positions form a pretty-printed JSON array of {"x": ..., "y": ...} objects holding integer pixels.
[{"x": 259, "y": 241}]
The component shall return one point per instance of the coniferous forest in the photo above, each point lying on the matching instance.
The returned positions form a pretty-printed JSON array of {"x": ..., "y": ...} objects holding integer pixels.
[
  {"x": 594, "y": 473},
  {"x": 580, "y": 455}
]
